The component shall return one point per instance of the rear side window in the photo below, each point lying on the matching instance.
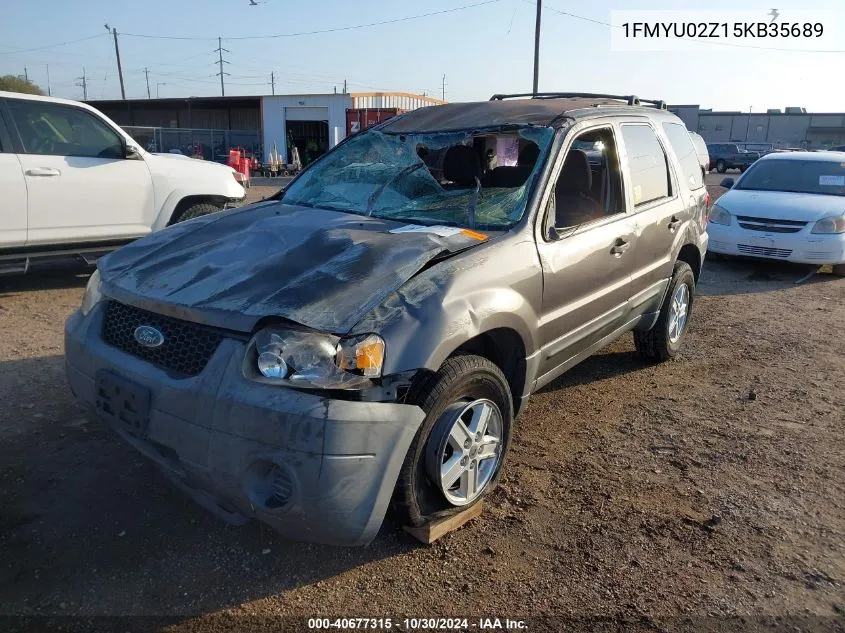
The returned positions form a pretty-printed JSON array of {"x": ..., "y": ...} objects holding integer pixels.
[
  {"x": 646, "y": 163},
  {"x": 684, "y": 149},
  {"x": 60, "y": 130}
]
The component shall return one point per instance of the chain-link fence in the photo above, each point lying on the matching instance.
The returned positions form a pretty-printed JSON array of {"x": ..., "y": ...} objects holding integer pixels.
[{"x": 210, "y": 144}]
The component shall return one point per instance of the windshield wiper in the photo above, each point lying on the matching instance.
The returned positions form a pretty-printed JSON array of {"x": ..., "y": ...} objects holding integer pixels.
[
  {"x": 375, "y": 195},
  {"x": 472, "y": 203}
]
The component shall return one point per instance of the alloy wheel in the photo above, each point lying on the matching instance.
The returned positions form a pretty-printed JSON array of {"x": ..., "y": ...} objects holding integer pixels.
[{"x": 465, "y": 450}]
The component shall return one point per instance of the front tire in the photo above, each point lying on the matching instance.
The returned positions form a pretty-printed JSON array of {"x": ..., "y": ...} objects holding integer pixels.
[
  {"x": 196, "y": 210},
  {"x": 457, "y": 455},
  {"x": 721, "y": 167},
  {"x": 663, "y": 341},
  {"x": 839, "y": 270}
]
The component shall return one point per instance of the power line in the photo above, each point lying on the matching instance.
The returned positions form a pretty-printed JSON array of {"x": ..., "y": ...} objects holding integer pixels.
[
  {"x": 333, "y": 30},
  {"x": 41, "y": 48}
]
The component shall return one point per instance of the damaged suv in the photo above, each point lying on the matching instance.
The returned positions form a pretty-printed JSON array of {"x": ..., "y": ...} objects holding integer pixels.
[{"x": 371, "y": 334}]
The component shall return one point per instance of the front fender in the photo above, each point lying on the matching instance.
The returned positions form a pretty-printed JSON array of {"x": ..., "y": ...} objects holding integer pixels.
[
  {"x": 434, "y": 313},
  {"x": 175, "y": 180}
]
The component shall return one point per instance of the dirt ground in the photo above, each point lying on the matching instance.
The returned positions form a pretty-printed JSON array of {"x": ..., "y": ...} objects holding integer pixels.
[{"x": 710, "y": 486}]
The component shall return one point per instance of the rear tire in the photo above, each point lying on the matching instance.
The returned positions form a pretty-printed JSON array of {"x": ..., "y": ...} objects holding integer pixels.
[
  {"x": 196, "y": 210},
  {"x": 461, "y": 381},
  {"x": 664, "y": 340},
  {"x": 839, "y": 270},
  {"x": 721, "y": 167}
]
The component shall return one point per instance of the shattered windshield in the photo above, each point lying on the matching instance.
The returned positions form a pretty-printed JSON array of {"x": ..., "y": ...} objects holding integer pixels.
[{"x": 473, "y": 178}]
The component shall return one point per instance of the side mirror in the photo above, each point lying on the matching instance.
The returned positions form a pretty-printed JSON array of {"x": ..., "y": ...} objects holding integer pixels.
[
  {"x": 131, "y": 152},
  {"x": 727, "y": 183}
]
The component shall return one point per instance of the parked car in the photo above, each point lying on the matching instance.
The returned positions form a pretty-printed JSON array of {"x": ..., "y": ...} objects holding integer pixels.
[
  {"x": 787, "y": 206},
  {"x": 701, "y": 151},
  {"x": 372, "y": 332},
  {"x": 76, "y": 186},
  {"x": 838, "y": 148},
  {"x": 725, "y": 156}
]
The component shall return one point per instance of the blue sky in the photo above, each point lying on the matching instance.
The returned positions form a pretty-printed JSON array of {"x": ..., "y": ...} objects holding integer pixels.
[{"x": 481, "y": 50}]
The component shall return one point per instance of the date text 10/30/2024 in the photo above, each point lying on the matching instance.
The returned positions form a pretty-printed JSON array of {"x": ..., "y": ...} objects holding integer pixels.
[{"x": 418, "y": 624}]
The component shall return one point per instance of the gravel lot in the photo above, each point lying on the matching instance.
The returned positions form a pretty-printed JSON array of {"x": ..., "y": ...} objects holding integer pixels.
[{"x": 712, "y": 485}]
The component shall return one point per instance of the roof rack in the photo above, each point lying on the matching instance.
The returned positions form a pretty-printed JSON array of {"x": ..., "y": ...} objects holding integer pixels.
[{"x": 631, "y": 100}]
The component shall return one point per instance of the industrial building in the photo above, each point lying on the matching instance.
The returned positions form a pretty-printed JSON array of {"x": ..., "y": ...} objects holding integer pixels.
[
  {"x": 791, "y": 128},
  {"x": 209, "y": 126}
]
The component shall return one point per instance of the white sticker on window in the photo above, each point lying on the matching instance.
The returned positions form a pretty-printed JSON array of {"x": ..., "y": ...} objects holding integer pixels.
[
  {"x": 442, "y": 231},
  {"x": 638, "y": 194},
  {"x": 832, "y": 181}
]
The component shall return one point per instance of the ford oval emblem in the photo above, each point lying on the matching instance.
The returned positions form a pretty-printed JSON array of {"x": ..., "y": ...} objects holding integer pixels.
[{"x": 148, "y": 336}]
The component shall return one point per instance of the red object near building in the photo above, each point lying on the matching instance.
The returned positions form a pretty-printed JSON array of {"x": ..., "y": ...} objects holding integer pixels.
[
  {"x": 240, "y": 163},
  {"x": 359, "y": 119}
]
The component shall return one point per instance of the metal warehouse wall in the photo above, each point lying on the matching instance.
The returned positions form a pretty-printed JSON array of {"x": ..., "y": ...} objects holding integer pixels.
[
  {"x": 400, "y": 100},
  {"x": 816, "y": 131},
  {"x": 216, "y": 113}
]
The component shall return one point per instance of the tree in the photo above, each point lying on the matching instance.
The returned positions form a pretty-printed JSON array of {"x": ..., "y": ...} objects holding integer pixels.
[{"x": 10, "y": 83}]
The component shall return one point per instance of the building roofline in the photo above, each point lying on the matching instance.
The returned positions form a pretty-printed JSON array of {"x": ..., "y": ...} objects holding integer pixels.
[{"x": 387, "y": 93}]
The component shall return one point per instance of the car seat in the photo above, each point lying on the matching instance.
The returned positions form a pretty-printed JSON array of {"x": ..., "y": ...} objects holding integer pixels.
[{"x": 573, "y": 204}]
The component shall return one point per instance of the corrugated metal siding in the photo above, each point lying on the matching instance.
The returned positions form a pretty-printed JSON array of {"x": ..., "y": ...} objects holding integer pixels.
[
  {"x": 207, "y": 119},
  {"x": 391, "y": 100},
  {"x": 245, "y": 119}
]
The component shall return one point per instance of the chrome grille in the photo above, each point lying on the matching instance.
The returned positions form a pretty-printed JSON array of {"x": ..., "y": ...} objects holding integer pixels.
[
  {"x": 769, "y": 225},
  {"x": 763, "y": 251}
]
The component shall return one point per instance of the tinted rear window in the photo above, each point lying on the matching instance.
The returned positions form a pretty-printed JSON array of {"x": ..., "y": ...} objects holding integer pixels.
[{"x": 684, "y": 149}]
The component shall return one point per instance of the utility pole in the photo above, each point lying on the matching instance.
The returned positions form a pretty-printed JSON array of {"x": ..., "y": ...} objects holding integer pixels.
[
  {"x": 25, "y": 74},
  {"x": 221, "y": 61},
  {"x": 344, "y": 86},
  {"x": 147, "y": 73},
  {"x": 83, "y": 85},
  {"x": 443, "y": 88},
  {"x": 117, "y": 54},
  {"x": 537, "y": 45},
  {"x": 273, "y": 81},
  {"x": 49, "y": 92}
]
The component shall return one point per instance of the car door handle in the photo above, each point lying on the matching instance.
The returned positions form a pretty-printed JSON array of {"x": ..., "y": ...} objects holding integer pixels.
[
  {"x": 673, "y": 224},
  {"x": 619, "y": 247},
  {"x": 43, "y": 171}
]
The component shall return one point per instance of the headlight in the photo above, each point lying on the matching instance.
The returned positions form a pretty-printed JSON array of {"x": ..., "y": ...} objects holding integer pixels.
[
  {"x": 299, "y": 358},
  {"x": 719, "y": 216},
  {"x": 832, "y": 224},
  {"x": 92, "y": 295}
]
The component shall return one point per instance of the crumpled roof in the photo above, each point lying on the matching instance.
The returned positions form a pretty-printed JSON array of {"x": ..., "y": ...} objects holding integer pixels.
[{"x": 461, "y": 116}]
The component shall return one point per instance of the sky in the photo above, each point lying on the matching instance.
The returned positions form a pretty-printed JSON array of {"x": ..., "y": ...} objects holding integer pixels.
[{"x": 481, "y": 50}]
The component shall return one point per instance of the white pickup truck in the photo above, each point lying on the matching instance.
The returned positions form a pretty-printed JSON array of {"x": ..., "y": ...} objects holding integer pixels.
[{"x": 74, "y": 186}]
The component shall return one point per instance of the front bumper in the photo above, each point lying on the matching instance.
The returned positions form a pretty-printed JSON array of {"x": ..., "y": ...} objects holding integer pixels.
[
  {"x": 800, "y": 248},
  {"x": 329, "y": 466}
]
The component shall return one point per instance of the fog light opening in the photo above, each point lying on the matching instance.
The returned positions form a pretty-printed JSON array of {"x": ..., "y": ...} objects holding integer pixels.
[{"x": 268, "y": 485}]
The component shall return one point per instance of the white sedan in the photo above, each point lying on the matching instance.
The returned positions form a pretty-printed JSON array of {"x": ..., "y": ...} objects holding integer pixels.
[{"x": 787, "y": 206}]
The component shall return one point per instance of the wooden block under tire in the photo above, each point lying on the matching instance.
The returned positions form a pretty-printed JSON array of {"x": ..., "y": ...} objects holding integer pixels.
[{"x": 430, "y": 532}]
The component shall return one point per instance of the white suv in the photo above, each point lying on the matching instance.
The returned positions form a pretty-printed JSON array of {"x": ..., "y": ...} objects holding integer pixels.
[{"x": 74, "y": 185}]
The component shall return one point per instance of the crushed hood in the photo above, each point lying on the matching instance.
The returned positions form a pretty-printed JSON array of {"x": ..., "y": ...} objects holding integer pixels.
[{"x": 322, "y": 269}]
